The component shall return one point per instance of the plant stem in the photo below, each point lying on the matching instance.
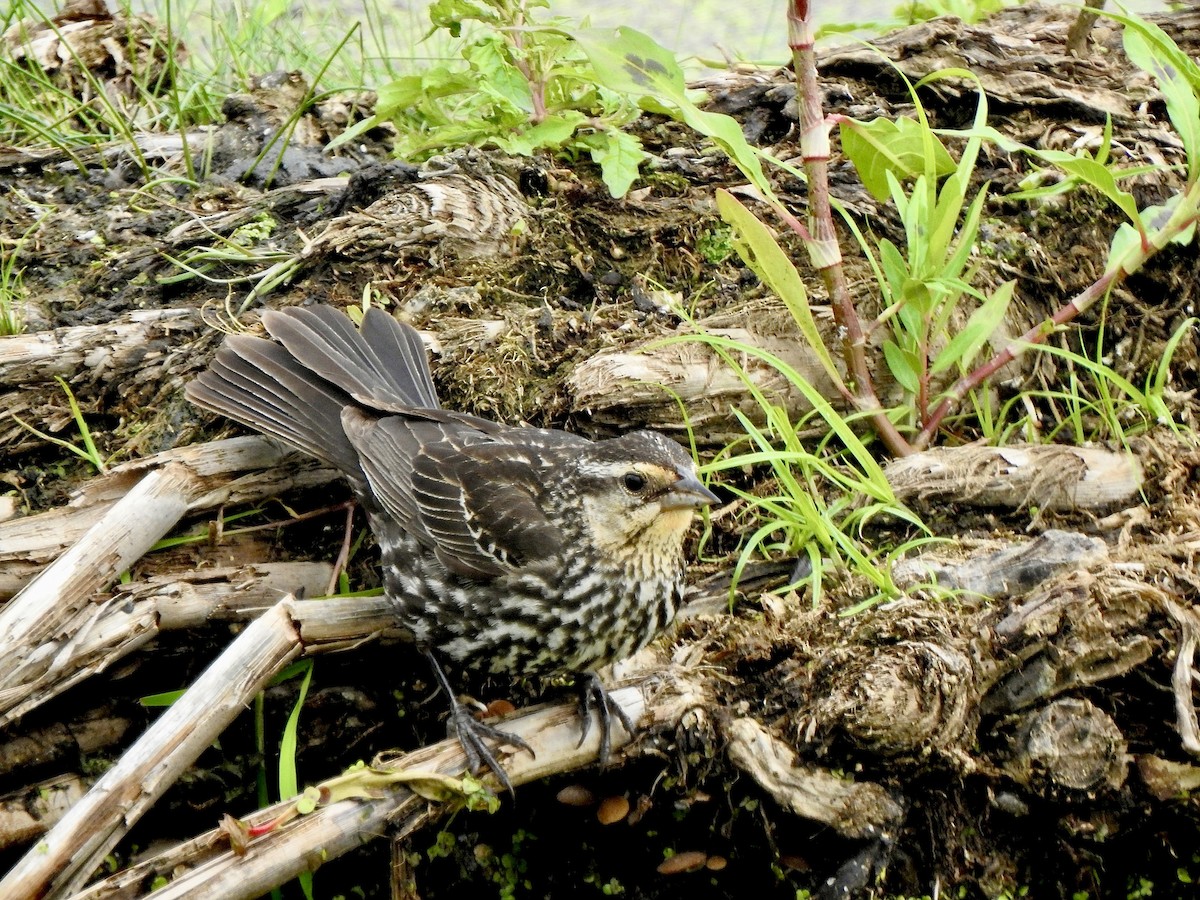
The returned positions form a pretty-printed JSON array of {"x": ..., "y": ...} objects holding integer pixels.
[
  {"x": 821, "y": 240},
  {"x": 1135, "y": 257},
  {"x": 537, "y": 85}
]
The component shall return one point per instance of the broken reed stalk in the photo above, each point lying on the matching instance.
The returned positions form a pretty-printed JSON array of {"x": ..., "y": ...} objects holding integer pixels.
[
  {"x": 61, "y": 862},
  {"x": 821, "y": 237},
  {"x": 53, "y": 632},
  {"x": 230, "y": 472},
  {"x": 207, "y": 866},
  {"x": 32, "y": 620}
]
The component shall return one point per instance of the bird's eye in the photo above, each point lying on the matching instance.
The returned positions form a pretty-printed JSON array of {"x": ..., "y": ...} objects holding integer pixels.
[{"x": 634, "y": 482}]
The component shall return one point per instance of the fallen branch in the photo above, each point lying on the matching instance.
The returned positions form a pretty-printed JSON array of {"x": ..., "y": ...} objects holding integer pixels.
[
  {"x": 1184, "y": 674},
  {"x": 206, "y": 865},
  {"x": 66, "y": 857},
  {"x": 226, "y": 473}
]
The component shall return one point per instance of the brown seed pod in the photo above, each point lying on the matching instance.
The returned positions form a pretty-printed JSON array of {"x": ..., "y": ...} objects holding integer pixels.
[
  {"x": 687, "y": 861},
  {"x": 498, "y": 708},
  {"x": 612, "y": 809},
  {"x": 576, "y": 795}
]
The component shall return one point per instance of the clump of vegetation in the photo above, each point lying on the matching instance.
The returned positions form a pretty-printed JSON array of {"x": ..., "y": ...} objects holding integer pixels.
[{"x": 520, "y": 85}]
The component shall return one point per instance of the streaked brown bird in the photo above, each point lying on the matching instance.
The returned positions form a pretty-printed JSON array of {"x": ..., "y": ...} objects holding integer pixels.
[{"x": 513, "y": 551}]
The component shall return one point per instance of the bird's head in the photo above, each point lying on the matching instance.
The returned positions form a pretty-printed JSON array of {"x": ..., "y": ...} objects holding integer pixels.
[{"x": 639, "y": 493}]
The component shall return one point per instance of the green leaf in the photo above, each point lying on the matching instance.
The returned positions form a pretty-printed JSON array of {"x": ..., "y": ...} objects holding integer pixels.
[
  {"x": 618, "y": 154},
  {"x": 1092, "y": 173},
  {"x": 402, "y": 95},
  {"x": 1123, "y": 248},
  {"x": 897, "y": 146},
  {"x": 553, "y": 131},
  {"x": 894, "y": 266},
  {"x": 1151, "y": 50},
  {"x": 763, "y": 254},
  {"x": 966, "y": 236},
  {"x": 450, "y": 14},
  {"x": 166, "y": 698},
  {"x": 904, "y": 365},
  {"x": 963, "y": 347},
  {"x": 288, "y": 780},
  {"x": 944, "y": 220},
  {"x": 497, "y": 76},
  {"x": 630, "y": 62}
]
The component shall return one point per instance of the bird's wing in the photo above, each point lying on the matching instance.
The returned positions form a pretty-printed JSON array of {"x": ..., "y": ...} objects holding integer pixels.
[{"x": 470, "y": 497}]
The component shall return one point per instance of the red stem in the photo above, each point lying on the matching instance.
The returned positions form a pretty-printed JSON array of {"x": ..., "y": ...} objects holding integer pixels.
[
  {"x": 1186, "y": 215},
  {"x": 822, "y": 239}
]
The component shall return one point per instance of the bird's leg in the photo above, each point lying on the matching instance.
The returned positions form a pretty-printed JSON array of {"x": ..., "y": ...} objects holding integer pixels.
[
  {"x": 471, "y": 733},
  {"x": 592, "y": 695}
]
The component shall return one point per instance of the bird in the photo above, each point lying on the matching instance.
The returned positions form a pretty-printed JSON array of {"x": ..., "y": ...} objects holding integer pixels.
[{"x": 509, "y": 550}]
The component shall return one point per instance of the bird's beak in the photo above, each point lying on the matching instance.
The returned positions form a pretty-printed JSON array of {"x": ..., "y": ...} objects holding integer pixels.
[{"x": 687, "y": 492}]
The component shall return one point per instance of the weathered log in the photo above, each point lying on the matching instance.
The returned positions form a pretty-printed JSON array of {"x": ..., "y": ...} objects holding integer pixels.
[
  {"x": 1167, "y": 780},
  {"x": 1074, "y": 631},
  {"x": 855, "y": 809},
  {"x": 109, "y": 351},
  {"x": 33, "y": 810},
  {"x": 1009, "y": 571},
  {"x": 97, "y": 729},
  {"x": 647, "y": 385},
  {"x": 1034, "y": 476},
  {"x": 1067, "y": 747}
]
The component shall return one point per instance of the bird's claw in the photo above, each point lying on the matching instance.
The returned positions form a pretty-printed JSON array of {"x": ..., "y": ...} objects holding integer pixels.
[
  {"x": 471, "y": 733},
  {"x": 472, "y": 736},
  {"x": 593, "y": 695}
]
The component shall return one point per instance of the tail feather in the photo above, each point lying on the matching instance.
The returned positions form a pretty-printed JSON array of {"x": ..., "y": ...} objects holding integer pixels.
[
  {"x": 259, "y": 384},
  {"x": 403, "y": 355},
  {"x": 383, "y": 366},
  {"x": 295, "y": 390}
]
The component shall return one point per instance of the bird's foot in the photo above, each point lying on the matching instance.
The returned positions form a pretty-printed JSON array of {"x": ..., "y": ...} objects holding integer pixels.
[
  {"x": 593, "y": 695},
  {"x": 472, "y": 736}
]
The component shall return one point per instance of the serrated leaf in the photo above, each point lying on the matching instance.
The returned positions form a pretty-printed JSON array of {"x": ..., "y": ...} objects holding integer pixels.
[
  {"x": 626, "y": 60},
  {"x": 497, "y": 76},
  {"x": 983, "y": 322},
  {"x": 630, "y": 62},
  {"x": 450, "y": 14},
  {"x": 553, "y": 132},
  {"x": 619, "y": 155},
  {"x": 402, "y": 95}
]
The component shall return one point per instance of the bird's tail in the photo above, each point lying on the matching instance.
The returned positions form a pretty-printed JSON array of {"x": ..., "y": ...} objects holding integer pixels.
[{"x": 295, "y": 390}]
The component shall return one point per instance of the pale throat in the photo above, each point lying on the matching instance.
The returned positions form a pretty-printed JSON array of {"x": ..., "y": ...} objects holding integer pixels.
[{"x": 644, "y": 551}]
